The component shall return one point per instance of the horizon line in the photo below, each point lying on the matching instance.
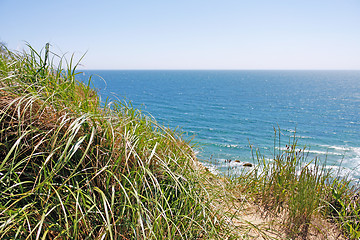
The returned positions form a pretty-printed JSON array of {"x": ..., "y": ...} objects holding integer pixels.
[{"x": 200, "y": 69}]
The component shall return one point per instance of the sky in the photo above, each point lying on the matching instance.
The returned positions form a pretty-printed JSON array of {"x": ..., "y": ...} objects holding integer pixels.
[{"x": 189, "y": 34}]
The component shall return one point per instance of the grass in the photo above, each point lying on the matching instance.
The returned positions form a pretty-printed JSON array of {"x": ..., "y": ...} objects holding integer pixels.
[
  {"x": 72, "y": 167},
  {"x": 300, "y": 192}
]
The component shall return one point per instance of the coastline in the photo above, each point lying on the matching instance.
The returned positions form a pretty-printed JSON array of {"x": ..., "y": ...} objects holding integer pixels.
[
  {"x": 225, "y": 110},
  {"x": 72, "y": 167}
]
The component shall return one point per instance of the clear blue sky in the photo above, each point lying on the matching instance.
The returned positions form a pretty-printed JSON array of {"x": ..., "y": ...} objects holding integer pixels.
[{"x": 190, "y": 34}]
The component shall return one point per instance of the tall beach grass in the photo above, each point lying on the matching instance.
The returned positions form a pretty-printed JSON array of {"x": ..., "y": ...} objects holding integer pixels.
[
  {"x": 301, "y": 192},
  {"x": 74, "y": 168}
]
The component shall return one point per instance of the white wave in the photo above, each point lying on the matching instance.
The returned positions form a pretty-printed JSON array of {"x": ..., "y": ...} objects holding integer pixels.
[
  {"x": 343, "y": 172},
  {"x": 235, "y": 164},
  {"x": 351, "y": 162},
  {"x": 227, "y": 145},
  {"x": 344, "y": 163},
  {"x": 212, "y": 168},
  {"x": 318, "y": 152},
  {"x": 289, "y": 130},
  {"x": 304, "y": 137},
  {"x": 356, "y": 150},
  {"x": 283, "y": 148},
  {"x": 351, "y": 154},
  {"x": 337, "y": 148}
]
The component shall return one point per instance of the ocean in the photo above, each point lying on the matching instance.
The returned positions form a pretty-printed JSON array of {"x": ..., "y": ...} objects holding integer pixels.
[{"x": 226, "y": 112}]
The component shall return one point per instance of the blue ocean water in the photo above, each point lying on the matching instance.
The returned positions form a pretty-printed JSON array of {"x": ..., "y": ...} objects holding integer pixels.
[{"x": 227, "y": 111}]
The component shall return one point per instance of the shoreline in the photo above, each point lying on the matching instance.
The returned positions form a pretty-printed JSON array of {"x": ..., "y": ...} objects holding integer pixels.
[{"x": 73, "y": 167}]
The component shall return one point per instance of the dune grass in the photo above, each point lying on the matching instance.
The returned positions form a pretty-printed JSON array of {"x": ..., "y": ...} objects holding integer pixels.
[
  {"x": 73, "y": 169},
  {"x": 300, "y": 191}
]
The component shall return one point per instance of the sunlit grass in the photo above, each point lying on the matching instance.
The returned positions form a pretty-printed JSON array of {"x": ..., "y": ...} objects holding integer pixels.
[
  {"x": 71, "y": 169},
  {"x": 299, "y": 191}
]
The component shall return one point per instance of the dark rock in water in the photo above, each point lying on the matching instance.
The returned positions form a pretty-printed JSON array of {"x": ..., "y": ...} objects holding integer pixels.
[
  {"x": 247, "y": 164},
  {"x": 237, "y": 161}
]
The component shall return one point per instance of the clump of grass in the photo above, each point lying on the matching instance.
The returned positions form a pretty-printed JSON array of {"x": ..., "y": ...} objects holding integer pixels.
[
  {"x": 300, "y": 191},
  {"x": 71, "y": 169},
  {"x": 344, "y": 206}
]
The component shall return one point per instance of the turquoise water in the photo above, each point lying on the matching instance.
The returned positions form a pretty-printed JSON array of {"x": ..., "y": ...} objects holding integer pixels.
[{"x": 227, "y": 111}]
